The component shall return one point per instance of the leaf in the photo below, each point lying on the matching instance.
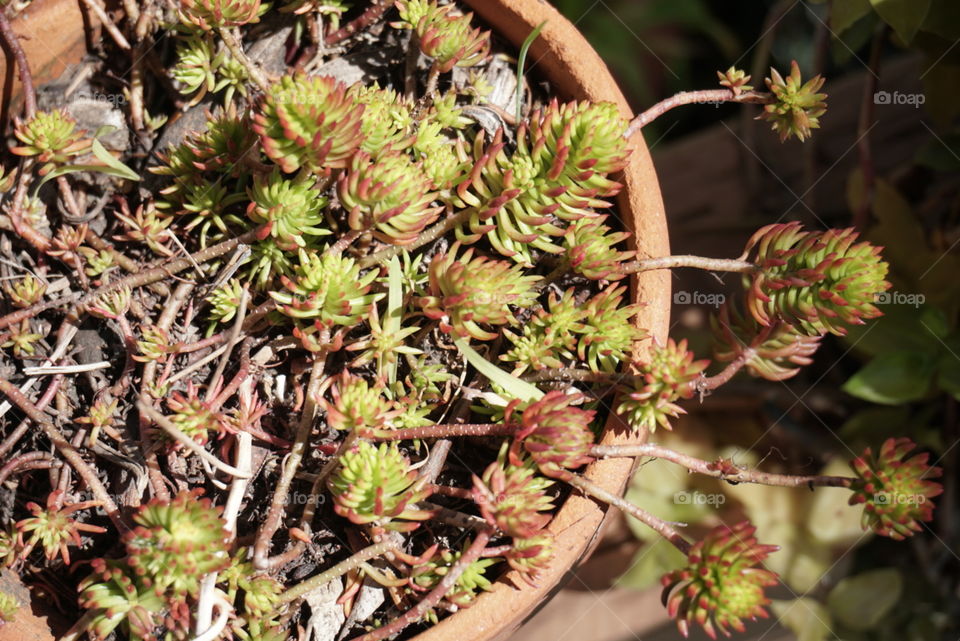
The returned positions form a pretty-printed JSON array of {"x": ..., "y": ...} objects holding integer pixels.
[
  {"x": 511, "y": 384},
  {"x": 905, "y": 16},
  {"x": 116, "y": 168},
  {"x": 807, "y": 617},
  {"x": 860, "y": 602},
  {"x": 893, "y": 378},
  {"x": 844, "y": 13},
  {"x": 651, "y": 562},
  {"x": 902, "y": 328}
]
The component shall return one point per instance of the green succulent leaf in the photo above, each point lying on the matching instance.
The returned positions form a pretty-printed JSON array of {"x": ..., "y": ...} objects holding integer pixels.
[
  {"x": 893, "y": 378},
  {"x": 514, "y": 386}
]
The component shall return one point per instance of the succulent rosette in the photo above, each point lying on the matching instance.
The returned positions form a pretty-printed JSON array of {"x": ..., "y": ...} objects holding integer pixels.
[
  {"x": 357, "y": 405},
  {"x": 387, "y": 122},
  {"x": 775, "y": 353},
  {"x": 798, "y": 105},
  {"x": 214, "y": 14},
  {"x": 513, "y": 498},
  {"x": 817, "y": 281},
  {"x": 115, "y": 595},
  {"x": 608, "y": 331},
  {"x": 53, "y": 527},
  {"x": 549, "y": 337},
  {"x": 287, "y": 210},
  {"x": 665, "y": 378},
  {"x": 722, "y": 584},
  {"x": 377, "y": 485},
  {"x": 326, "y": 287},
  {"x": 391, "y": 195},
  {"x": 175, "y": 543},
  {"x": 194, "y": 416},
  {"x": 590, "y": 248},
  {"x": 531, "y": 556},
  {"x": 310, "y": 122},
  {"x": 468, "y": 291},
  {"x": 448, "y": 39},
  {"x": 895, "y": 491},
  {"x": 51, "y": 136},
  {"x": 554, "y": 433},
  {"x": 464, "y": 591}
]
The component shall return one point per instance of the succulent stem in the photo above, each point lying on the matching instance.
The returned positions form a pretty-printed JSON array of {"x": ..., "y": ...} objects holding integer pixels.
[
  {"x": 229, "y": 36},
  {"x": 710, "y": 96},
  {"x": 661, "y": 527},
  {"x": 348, "y": 564},
  {"x": 699, "y": 262},
  {"x": 23, "y": 68},
  {"x": 719, "y": 469},
  {"x": 442, "y": 431}
]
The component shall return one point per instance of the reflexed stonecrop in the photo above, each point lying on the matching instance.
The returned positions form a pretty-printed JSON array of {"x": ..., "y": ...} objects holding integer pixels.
[
  {"x": 287, "y": 210},
  {"x": 357, "y": 405},
  {"x": 193, "y": 416},
  {"x": 818, "y": 281},
  {"x": 776, "y": 352},
  {"x": 387, "y": 122},
  {"x": 531, "y": 556},
  {"x": 590, "y": 249},
  {"x": 116, "y": 596},
  {"x": 51, "y": 136},
  {"x": 448, "y": 39},
  {"x": 377, "y": 485},
  {"x": 549, "y": 337},
  {"x": 608, "y": 331},
  {"x": 554, "y": 432},
  {"x": 391, "y": 196},
  {"x": 798, "y": 107},
  {"x": 54, "y": 527},
  {"x": 25, "y": 291},
  {"x": 665, "y": 377},
  {"x": 513, "y": 498},
  {"x": 722, "y": 584},
  {"x": 175, "y": 543},
  {"x": 468, "y": 291},
  {"x": 425, "y": 577},
  {"x": 214, "y": 14},
  {"x": 326, "y": 287},
  {"x": 309, "y": 121},
  {"x": 895, "y": 491}
]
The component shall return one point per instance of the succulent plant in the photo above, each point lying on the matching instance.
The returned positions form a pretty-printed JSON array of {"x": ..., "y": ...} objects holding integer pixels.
[
  {"x": 554, "y": 432},
  {"x": 608, "y": 333},
  {"x": 531, "y": 556},
  {"x": 8, "y": 608},
  {"x": 817, "y": 281},
  {"x": 21, "y": 340},
  {"x": 196, "y": 66},
  {"x": 513, "y": 498},
  {"x": 357, "y": 405},
  {"x": 664, "y": 378},
  {"x": 225, "y": 301},
  {"x": 735, "y": 80},
  {"x": 895, "y": 490},
  {"x": 721, "y": 584},
  {"x": 549, "y": 336},
  {"x": 214, "y": 14},
  {"x": 326, "y": 287},
  {"x": 464, "y": 592},
  {"x": 287, "y": 210},
  {"x": 25, "y": 291},
  {"x": 146, "y": 225},
  {"x": 310, "y": 122},
  {"x": 448, "y": 39},
  {"x": 154, "y": 345},
  {"x": 51, "y": 136},
  {"x": 391, "y": 195},
  {"x": 100, "y": 415},
  {"x": 387, "y": 122},
  {"x": 193, "y": 416},
  {"x": 798, "y": 106},
  {"x": 589, "y": 245},
  {"x": 115, "y": 595},
  {"x": 376, "y": 485},
  {"x": 175, "y": 543},
  {"x": 776, "y": 352},
  {"x": 54, "y": 527}
]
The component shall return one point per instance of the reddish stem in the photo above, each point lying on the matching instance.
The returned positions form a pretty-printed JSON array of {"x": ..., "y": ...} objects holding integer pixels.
[
  {"x": 23, "y": 68},
  {"x": 711, "y": 96},
  {"x": 433, "y": 598},
  {"x": 442, "y": 431},
  {"x": 447, "y": 490},
  {"x": 28, "y": 461},
  {"x": 24, "y": 425},
  {"x": 717, "y": 469},
  {"x": 373, "y": 12}
]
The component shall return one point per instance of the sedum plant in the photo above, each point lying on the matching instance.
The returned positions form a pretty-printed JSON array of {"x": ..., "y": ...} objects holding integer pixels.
[{"x": 368, "y": 261}]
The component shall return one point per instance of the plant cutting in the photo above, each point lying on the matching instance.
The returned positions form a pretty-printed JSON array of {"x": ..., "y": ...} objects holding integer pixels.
[{"x": 364, "y": 336}]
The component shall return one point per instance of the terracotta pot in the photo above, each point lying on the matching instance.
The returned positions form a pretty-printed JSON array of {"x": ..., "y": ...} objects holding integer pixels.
[{"x": 575, "y": 71}]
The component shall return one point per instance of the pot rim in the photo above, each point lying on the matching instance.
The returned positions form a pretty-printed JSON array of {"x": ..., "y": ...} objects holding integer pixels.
[{"x": 577, "y": 71}]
